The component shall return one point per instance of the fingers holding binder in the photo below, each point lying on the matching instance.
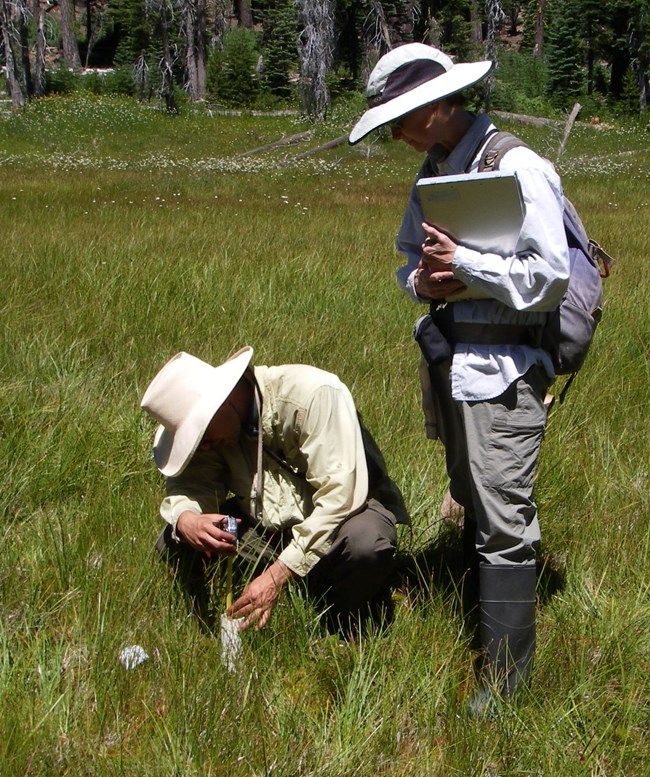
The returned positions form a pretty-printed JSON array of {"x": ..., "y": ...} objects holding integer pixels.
[
  {"x": 438, "y": 248},
  {"x": 434, "y": 278},
  {"x": 436, "y": 285}
]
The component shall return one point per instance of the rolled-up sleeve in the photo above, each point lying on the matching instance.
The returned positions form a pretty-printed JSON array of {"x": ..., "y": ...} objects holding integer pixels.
[{"x": 329, "y": 439}]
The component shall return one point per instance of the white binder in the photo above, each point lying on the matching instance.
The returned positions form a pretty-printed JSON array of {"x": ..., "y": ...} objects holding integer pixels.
[{"x": 483, "y": 211}]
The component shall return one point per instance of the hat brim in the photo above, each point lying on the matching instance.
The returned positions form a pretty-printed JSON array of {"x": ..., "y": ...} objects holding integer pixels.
[
  {"x": 173, "y": 450},
  {"x": 461, "y": 76}
]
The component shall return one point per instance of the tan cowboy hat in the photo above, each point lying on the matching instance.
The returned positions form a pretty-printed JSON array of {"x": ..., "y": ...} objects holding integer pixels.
[
  {"x": 409, "y": 77},
  {"x": 183, "y": 398}
]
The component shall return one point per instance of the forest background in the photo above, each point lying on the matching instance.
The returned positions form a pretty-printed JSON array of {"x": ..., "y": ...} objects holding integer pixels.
[{"x": 287, "y": 54}]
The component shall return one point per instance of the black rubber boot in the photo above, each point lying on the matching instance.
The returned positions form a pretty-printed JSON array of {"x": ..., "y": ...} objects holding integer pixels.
[{"x": 507, "y": 631}]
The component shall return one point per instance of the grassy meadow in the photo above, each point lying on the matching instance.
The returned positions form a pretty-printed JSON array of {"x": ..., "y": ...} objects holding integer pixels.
[{"x": 128, "y": 235}]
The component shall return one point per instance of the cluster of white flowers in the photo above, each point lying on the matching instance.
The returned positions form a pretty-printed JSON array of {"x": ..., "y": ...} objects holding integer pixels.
[{"x": 629, "y": 166}]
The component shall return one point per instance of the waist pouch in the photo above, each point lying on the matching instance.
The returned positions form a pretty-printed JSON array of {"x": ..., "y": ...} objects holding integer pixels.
[{"x": 434, "y": 345}]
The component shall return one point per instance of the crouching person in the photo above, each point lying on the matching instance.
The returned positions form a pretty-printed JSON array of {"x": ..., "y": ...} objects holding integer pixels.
[{"x": 283, "y": 450}]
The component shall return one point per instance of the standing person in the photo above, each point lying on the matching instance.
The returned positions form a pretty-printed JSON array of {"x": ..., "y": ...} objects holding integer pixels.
[
  {"x": 485, "y": 399},
  {"x": 282, "y": 449}
]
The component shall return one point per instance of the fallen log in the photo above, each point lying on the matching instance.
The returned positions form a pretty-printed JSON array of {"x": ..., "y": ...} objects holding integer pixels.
[
  {"x": 535, "y": 121},
  {"x": 288, "y": 141},
  {"x": 330, "y": 144}
]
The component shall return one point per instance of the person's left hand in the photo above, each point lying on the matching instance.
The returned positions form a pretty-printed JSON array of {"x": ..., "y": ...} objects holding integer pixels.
[
  {"x": 438, "y": 249},
  {"x": 260, "y": 596},
  {"x": 434, "y": 278}
]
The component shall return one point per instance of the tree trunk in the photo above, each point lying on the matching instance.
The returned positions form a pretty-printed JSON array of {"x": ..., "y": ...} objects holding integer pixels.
[
  {"x": 538, "y": 39},
  {"x": 69, "y": 40},
  {"x": 475, "y": 21},
  {"x": 39, "y": 61},
  {"x": 643, "y": 90},
  {"x": 189, "y": 23},
  {"x": 223, "y": 13},
  {"x": 428, "y": 26},
  {"x": 244, "y": 15},
  {"x": 141, "y": 69},
  {"x": 376, "y": 37},
  {"x": 6, "y": 23},
  {"x": 201, "y": 47},
  {"x": 194, "y": 20},
  {"x": 90, "y": 35},
  {"x": 167, "y": 86},
  {"x": 316, "y": 48},
  {"x": 24, "y": 48},
  {"x": 495, "y": 16},
  {"x": 378, "y": 10}
]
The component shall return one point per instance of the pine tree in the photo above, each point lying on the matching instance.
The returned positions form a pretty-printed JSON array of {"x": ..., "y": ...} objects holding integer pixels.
[
  {"x": 564, "y": 54},
  {"x": 279, "y": 50},
  {"x": 236, "y": 81}
]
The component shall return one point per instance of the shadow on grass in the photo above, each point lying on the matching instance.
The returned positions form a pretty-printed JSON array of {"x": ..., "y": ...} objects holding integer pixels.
[{"x": 440, "y": 568}]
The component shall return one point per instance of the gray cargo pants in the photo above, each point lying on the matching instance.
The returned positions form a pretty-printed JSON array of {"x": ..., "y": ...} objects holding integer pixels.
[{"x": 492, "y": 448}]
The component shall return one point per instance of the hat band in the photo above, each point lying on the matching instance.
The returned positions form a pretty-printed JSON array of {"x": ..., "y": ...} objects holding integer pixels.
[{"x": 407, "y": 77}]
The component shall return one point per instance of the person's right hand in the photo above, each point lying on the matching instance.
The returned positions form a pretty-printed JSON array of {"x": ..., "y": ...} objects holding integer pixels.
[
  {"x": 436, "y": 285},
  {"x": 205, "y": 533}
]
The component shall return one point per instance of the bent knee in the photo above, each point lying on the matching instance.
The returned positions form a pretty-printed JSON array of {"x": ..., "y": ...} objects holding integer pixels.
[{"x": 370, "y": 537}]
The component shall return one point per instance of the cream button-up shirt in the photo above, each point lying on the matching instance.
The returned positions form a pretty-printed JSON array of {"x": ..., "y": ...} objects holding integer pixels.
[{"x": 309, "y": 421}]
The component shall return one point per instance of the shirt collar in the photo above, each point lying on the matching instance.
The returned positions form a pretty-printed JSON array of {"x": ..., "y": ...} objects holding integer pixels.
[{"x": 463, "y": 154}]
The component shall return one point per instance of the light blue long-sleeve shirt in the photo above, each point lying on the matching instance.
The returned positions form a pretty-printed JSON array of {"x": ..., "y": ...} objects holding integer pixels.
[{"x": 518, "y": 289}]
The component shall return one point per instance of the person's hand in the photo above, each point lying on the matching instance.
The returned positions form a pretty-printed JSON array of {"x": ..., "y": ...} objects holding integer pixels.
[
  {"x": 436, "y": 285},
  {"x": 434, "y": 277},
  {"x": 205, "y": 532},
  {"x": 260, "y": 596},
  {"x": 438, "y": 249}
]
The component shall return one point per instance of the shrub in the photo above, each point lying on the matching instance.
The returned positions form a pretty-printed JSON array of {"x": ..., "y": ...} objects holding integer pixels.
[
  {"x": 232, "y": 73},
  {"x": 120, "y": 81},
  {"x": 348, "y": 107},
  {"x": 521, "y": 72},
  {"x": 92, "y": 82},
  {"x": 61, "y": 80}
]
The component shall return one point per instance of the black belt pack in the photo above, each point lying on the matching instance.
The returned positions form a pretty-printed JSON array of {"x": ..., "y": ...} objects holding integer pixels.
[{"x": 433, "y": 344}]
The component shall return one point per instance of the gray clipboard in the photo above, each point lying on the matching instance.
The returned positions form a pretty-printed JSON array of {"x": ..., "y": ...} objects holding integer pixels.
[{"x": 483, "y": 211}]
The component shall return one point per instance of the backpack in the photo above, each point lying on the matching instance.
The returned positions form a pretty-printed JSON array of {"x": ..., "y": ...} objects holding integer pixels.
[{"x": 570, "y": 328}]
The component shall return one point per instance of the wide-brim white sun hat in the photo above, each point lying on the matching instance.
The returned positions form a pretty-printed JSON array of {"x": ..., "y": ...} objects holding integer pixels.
[
  {"x": 409, "y": 77},
  {"x": 183, "y": 398}
]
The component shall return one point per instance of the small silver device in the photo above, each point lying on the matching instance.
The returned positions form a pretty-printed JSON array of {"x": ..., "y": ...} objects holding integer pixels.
[{"x": 231, "y": 525}]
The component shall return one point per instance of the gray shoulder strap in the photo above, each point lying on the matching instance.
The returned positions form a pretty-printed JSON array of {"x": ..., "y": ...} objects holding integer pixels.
[{"x": 497, "y": 146}]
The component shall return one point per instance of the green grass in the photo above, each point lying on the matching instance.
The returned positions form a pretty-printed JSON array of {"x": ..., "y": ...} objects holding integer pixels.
[{"x": 129, "y": 235}]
